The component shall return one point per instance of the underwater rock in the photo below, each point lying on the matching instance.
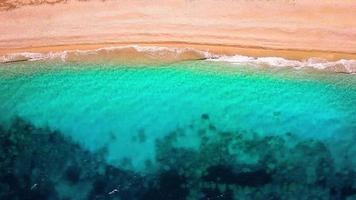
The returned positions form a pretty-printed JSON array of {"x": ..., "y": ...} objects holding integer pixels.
[
  {"x": 347, "y": 191},
  {"x": 251, "y": 165},
  {"x": 32, "y": 157},
  {"x": 209, "y": 193},
  {"x": 170, "y": 186},
  {"x": 173, "y": 184},
  {"x": 72, "y": 174},
  {"x": 14, "y": 186},
  {"x": 205, "y": 116},
  {"x": 212, "y": 127},
  {"x": 99, "y": 187},
  {"x": 226, "y": 175},
  {"x": 43, "y": 191},
  {"x": 226, "y": 165}
]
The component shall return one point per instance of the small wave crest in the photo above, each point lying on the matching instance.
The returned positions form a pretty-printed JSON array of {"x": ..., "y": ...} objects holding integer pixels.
[
  {"x": 171, "y": 54},
  {"x": 131, "y": 52},
  {"x": 29, "y": 56},
  {"x": 341, "y": 66}
]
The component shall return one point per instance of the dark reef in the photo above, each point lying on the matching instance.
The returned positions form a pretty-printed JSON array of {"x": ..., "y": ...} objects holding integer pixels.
[
  {"x": 225, "y": 175},
  {"x": 39, "y": 163}
]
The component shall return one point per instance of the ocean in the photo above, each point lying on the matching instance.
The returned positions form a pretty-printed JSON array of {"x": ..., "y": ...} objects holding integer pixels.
[{"x": 175, "y": 130}]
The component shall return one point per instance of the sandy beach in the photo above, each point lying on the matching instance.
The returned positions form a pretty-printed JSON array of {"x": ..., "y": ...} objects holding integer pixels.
[{"x": 296, "y": 29}]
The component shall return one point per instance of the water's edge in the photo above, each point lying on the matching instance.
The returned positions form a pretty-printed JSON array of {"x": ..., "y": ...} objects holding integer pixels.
[{"x": 172, "y": 54}]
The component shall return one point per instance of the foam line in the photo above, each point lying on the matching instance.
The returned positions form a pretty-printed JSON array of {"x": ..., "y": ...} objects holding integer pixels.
[{"x": 343, "y": 65}]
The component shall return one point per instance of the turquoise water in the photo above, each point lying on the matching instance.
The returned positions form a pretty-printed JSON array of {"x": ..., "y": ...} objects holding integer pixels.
[{"x": 129, "y": 111}]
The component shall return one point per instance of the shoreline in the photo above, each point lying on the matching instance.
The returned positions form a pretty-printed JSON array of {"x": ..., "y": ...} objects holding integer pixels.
[
  {"x": 218, "y": 49},
  {"x": 160, "y": 53}
]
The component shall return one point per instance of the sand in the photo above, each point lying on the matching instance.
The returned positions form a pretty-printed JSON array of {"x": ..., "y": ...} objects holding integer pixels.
[{"x": 296, "y": 29}]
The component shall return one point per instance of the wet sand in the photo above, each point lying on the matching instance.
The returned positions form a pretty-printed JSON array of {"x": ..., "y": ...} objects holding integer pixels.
[{"x": 292, "y": 29}]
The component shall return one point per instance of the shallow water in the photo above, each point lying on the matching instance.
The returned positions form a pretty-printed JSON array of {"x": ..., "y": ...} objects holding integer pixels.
[{"x": 144, "y": 118}]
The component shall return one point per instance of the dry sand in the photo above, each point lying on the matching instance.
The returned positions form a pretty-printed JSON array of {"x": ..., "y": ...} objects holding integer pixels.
[{"x": 295, "y": 29}]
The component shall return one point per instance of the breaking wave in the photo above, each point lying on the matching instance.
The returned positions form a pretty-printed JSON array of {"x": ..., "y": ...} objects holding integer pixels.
[
  {"x": 171, "y": 54},
  {"x": 341, "y": 66},
  {"x": 131, "y": 52}
]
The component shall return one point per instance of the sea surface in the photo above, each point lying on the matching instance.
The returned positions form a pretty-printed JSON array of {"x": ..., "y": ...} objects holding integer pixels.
[{"x": 182, "y": 130}]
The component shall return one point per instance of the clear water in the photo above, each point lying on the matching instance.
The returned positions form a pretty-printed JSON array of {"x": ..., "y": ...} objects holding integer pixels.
[{"x": 129, "y": 111}]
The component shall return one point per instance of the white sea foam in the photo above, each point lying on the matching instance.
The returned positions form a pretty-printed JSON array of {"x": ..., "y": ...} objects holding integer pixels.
[
  {"x": 343, "y": 65},
  {"x": 31, "y": 56}
]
